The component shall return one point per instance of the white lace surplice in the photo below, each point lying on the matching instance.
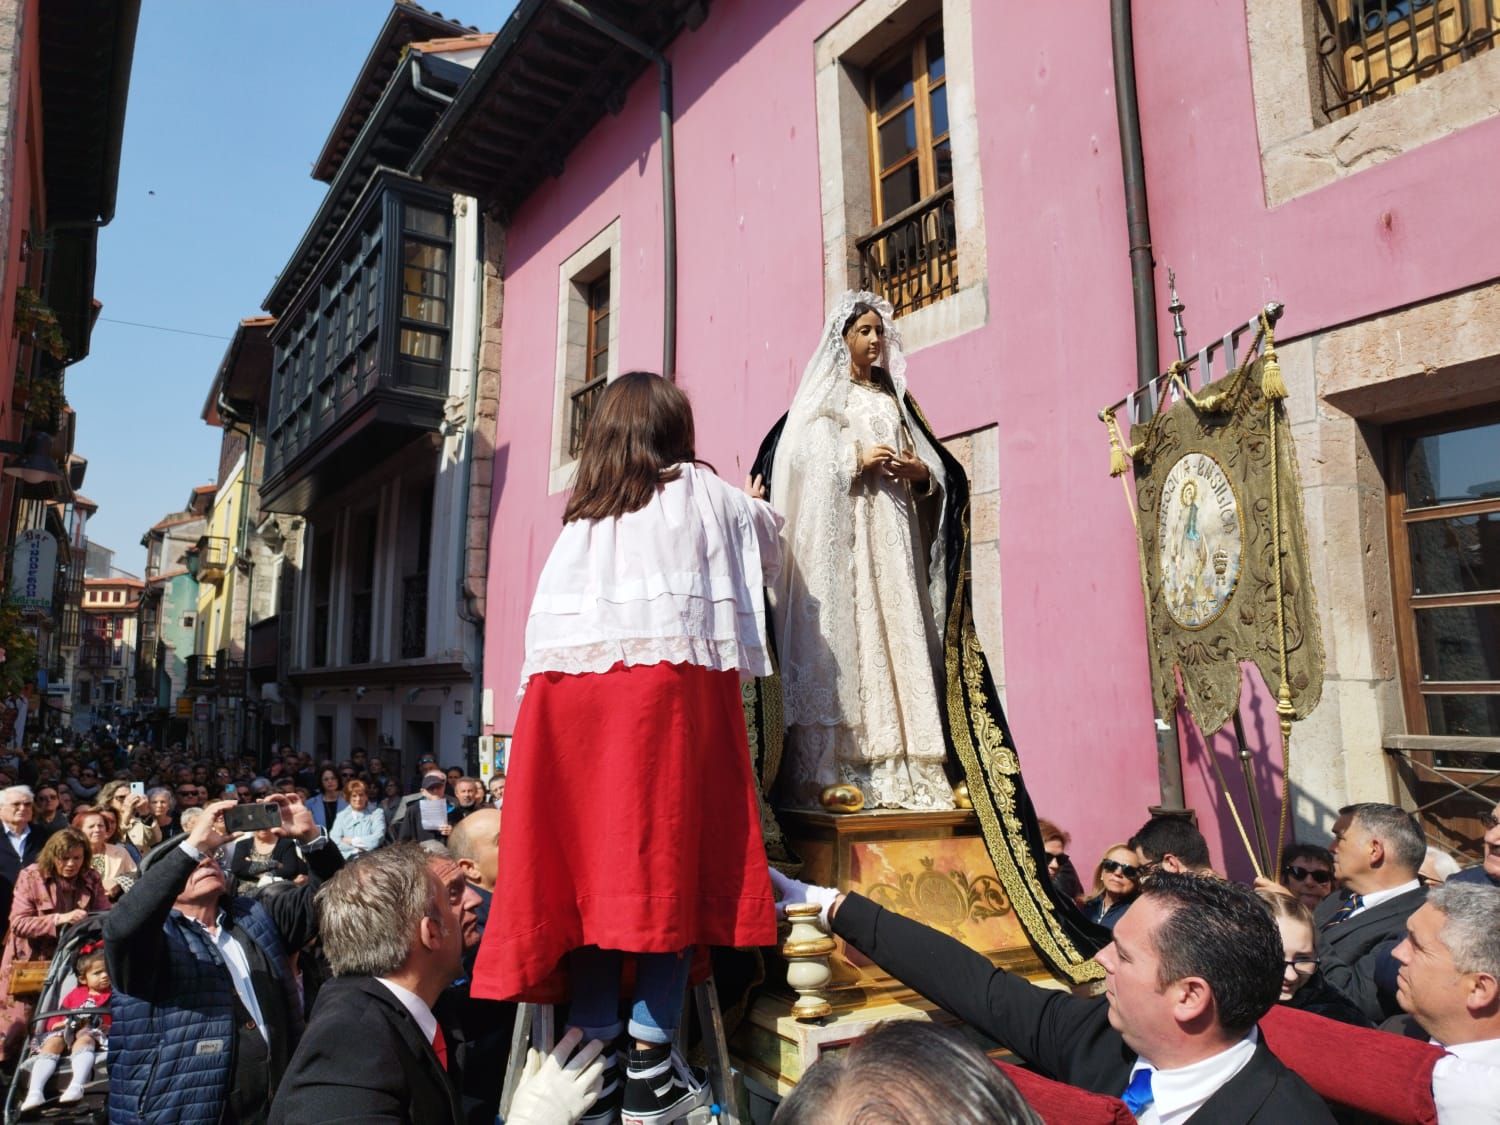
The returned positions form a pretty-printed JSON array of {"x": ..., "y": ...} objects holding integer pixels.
[
  {"x": 678, "y": 582},
  {"x": 868, "y": 601}
]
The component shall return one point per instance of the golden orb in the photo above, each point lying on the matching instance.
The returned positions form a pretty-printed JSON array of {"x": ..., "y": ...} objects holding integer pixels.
[
  {"x": 961, "y": 796},
  {"x": 842, "y": 798}
]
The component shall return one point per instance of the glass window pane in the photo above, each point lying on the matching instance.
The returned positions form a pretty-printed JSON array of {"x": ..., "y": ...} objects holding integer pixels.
[
  {"x": 936, "y": 64},
  {"x": 1455, "y": 556},
  {"x": 1476, "y": 716},
  {"x": 942, "y": 161},
  {"x": 893, "y": 85},
  {"x": 898, "y": 137},
  {"x": 1453, "y": 467},
  {"x": 900, "y": 190},
  {"x": 601, "y": 364},
  {"x": 422, "y": 345},
  {"x": 1459, "y": 642},
  {"x": 938, "y": 101},
  {"x": 416, "y": 307},
  {"x": 420, "y": 255},
  {"x": 423, "y": 221}
]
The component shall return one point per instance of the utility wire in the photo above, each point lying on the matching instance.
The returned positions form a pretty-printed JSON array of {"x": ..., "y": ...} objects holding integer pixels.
[{"x": 163, "y": 328}]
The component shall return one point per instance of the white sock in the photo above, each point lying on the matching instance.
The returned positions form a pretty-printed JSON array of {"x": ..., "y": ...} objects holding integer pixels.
[
  {"x": 83, "y": 1070},
  {"x": 42, "y": 1069}
]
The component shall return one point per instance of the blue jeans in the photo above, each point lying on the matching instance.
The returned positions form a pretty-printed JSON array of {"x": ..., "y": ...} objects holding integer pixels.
[{"x": 660, "y": 981}]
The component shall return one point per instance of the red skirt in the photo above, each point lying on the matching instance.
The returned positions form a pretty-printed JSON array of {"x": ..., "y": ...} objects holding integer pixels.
[{"x": 630, "y": 822}]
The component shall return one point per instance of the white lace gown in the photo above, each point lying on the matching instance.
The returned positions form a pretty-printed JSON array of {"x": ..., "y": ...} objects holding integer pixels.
[{"x": 882, "y": 733}]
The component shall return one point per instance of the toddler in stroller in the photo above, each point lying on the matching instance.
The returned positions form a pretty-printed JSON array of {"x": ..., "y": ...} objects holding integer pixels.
[{"x": 72, "y": 1017}]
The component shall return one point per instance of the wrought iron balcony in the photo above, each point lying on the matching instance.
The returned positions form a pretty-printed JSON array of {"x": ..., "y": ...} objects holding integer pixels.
[
  {"x": 209, "y": 558},
  {"x": 584, "y": 401},
  {"x": 414, "y": 616},
  {"x": 95, "y": 653},
  {"x": 202, "y": 673},
  {"x": 1371, "y": 49},
  {"x": 911, "y": 259},
  {"x": 265, "y": 645}
]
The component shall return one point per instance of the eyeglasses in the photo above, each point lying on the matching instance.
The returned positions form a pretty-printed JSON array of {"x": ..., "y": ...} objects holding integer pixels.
[
  {"x": 1303, "y": 966},
  {"x": 1317, "y": 874},
  {"x": 1114, "y": 866},
  {"x": 346, "y": 773}
]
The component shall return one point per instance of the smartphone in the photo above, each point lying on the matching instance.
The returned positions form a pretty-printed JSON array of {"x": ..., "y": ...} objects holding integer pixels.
[
  {"x": 252, "y": 817},
  {"x": 137, "y": 788}
]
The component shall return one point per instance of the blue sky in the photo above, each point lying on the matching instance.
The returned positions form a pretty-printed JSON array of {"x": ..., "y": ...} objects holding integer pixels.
[{"x": 230, "y": 101}]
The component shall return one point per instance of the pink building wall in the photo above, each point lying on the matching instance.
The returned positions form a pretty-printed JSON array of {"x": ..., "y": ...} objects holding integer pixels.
[
  {"x": 1057, "y": 346},
  {"x": 1394, "y": 234}
]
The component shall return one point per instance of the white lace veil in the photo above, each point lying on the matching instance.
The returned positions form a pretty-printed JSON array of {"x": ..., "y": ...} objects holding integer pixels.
[{"x": 814, "y": 598}]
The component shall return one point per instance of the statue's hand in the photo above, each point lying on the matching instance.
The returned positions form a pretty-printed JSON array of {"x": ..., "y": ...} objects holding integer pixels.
[
  {"x": 907, "y": 466},
  {"x": 878, "y": 457}
]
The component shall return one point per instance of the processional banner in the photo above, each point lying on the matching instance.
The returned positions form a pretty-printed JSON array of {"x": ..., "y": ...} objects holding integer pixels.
[{"x": 1223, "y": 548}]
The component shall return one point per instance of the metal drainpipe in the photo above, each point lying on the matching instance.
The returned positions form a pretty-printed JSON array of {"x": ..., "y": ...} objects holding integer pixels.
[
  {"x": 668, "y": 175},
  {"x": 466, "y": 612},
  {"x": 1142, "y": 281},
  {"x": 237, "y": 421}
]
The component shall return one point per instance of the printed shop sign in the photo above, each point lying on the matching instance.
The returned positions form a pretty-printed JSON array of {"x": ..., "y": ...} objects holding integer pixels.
[{"x": 33, "y": 568}]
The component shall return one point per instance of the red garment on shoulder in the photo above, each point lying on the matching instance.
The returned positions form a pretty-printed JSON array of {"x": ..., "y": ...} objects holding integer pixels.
[{"x": 630, "y": 822}]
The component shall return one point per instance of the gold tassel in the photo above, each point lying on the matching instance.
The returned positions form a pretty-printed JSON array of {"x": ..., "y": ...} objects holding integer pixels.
[
  {"x": 1119, "y": 463},
  {"x": 1272, "y": 385}
]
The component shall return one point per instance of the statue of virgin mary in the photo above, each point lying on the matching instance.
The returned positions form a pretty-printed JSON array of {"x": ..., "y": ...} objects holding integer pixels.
[
  {"x": 861, "y": 486},
  {"x": 881, "y": 680}
]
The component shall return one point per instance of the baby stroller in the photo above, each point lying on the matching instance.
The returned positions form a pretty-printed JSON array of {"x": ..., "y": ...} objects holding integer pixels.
[{"x": 60, "y": 980}]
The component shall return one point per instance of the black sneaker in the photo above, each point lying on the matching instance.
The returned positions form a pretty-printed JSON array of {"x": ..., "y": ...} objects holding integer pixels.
[
  {"x": 660, "y": 1087},
  {"x": 606, "y": 1107}
]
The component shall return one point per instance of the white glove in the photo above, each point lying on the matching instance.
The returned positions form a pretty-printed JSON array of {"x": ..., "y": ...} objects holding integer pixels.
[
  {"x": 555, "y": 1089},
  {"x": 793, "y": 891}
]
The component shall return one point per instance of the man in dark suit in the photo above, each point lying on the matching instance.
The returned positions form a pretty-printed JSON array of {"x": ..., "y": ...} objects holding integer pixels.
[
  {"x": 22, "y": 842},
  {"x": 392, "y": 931},
  {"x": 1194, "y": 964},
  {"x": 1377, "y": 851}
]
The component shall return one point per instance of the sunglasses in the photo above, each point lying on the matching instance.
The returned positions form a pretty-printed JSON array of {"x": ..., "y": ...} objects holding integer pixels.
[
  {"x": 1317, "y": 875},
  {"x": 1114, "y": 866}
]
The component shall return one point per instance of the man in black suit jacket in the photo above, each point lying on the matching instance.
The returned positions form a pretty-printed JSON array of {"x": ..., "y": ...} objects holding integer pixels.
[
  {"x": 20, "y": 842},
  {"x": 373, "y": 1051},
  {"x": 1194, "y": 963},
  {"x": 1377, "y": 851}
]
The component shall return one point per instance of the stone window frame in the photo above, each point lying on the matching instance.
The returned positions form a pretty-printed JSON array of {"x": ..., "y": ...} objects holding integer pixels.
[
  {"x": 841, "y": 54},
  {"x": 591, "y": 261},
  {"x": 1300, "y": 149}
]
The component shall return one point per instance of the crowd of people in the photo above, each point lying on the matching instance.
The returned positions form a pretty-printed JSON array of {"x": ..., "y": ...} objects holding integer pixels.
[{"x": 203, "y": 955}]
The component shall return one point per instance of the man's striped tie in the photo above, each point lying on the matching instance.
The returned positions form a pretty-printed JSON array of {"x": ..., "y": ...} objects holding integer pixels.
[{"x": 1351, "y": 904}]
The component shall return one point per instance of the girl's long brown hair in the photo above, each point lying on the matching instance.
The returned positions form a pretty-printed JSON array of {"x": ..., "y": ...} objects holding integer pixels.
[{"x": 641, "y": 429}]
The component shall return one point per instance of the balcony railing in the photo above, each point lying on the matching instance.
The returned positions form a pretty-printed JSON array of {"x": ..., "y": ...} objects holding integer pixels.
[
  {"x": 361, "y": 623},
  {"x": 210, "y": 558},
  {"x": 94, "y": 654},
  {"x": 414, "y": 616},
  {"x": 1371, "y": 49},
  {"x": 202, "y": 673},
  {"x": 584, "y": 401},
  {"x": 265, "y": 644},
  {"x": 911, "y": 259}
]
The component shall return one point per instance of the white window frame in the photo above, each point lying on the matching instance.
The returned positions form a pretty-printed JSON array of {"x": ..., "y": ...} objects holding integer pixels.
[
  {"x": 841, "y": 84},
  {"x": 585, "y": 265}
]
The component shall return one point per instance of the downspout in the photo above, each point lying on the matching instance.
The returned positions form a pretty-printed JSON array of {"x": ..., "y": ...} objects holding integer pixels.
[
  {"x": 1143, "y": 286},
  {"x": 237, "y": 421},
  {"x": 464, "y": 600},
  {"x": 668, "y": 175}
]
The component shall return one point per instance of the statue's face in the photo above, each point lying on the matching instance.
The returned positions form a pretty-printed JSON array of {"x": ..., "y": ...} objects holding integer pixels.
[{"x": 866, "y": 340}]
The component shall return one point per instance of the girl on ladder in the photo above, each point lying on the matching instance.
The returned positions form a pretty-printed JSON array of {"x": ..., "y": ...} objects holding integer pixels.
[{"x": 631, "y": 823}]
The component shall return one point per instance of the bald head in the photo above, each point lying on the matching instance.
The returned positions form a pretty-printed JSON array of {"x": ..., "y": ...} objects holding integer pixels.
[{"x": 475, "y": 843}]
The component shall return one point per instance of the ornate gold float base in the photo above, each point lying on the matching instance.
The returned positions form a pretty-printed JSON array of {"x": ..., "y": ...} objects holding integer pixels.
[{"x": 931, "y": 866}]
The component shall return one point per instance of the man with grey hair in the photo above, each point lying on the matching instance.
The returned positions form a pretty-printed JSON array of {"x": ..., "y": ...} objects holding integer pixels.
[
  {"x": 1449, "y": 981},
  {"x": 1377, "y": 851},
  {"x": 392, "y": 929},
  {"x": 22, "y": 843}
]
